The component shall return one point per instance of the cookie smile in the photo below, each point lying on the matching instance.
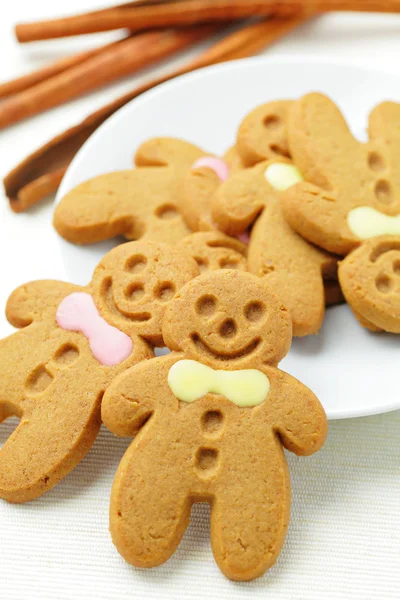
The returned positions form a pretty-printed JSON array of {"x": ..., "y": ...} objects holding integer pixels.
[{"x": 248, "y": 349}]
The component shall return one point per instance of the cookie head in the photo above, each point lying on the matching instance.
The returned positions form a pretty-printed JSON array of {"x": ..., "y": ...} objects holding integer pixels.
[
  {"x": 370, "y": 280},
  {"x": 262, "y": 134},
  {"x": 214, "y": 250},
  {"x": 134, "y": 282},
  {"x": 228, "y": 320}
]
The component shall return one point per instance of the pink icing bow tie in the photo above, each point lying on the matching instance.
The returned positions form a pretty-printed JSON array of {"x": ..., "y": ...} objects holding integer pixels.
[
  {"x": 109, "y": 345},
  {"x": 221, "y": 169},
  {"x": 214, "y": 163}
]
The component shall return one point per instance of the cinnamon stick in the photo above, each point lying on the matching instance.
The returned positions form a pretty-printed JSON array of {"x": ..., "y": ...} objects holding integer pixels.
[
  {"x": 141, "y": 17},
  {"x": 127, "y": 57},
  {"x": 59, "y": 151},
  {"x": 189, "y": 13},
  {"x": 247, "y": 41},
  {"x": 26, "y": 81},
  {"x": 41, "y": 187}
]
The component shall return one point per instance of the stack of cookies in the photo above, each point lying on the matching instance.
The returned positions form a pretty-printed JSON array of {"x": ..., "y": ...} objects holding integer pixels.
[{"x": 231, "y": 257}]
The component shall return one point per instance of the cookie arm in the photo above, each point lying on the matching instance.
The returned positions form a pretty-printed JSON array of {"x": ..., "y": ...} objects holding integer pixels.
[
  {"x": 299, "y": 417},
  {"x": 164, "y": 151},
  {"x": 317, "y": 216},
  {"x": 99, "y": 208},
  {"x": 136, "y": 394},
  {"x": 31, "y": 301},
  {"x": 238, "y": 201}
]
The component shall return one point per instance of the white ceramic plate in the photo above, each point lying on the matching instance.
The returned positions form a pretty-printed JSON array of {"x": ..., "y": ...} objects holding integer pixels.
[{"x": 352, "y": 371}]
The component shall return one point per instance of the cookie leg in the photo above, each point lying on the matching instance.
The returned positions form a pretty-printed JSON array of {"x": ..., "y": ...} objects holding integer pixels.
[
  {"x": 249, "y": 519},
  {"x": 150, "y": 504},
  {"x": 50, "y": 439}
]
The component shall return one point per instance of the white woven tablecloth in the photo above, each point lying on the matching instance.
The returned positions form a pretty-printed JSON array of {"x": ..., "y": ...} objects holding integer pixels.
[{"x": 344, "y": 537}]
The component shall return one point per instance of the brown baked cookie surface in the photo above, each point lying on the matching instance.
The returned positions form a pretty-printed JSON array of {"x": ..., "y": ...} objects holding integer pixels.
[
  {"x": 293, "y": 266},
  {"x": 370, "y": 280},
  {"x": 333, "y": 292},
  {"x": 211, "y": 420},
  {"x": 197, "y": 189},
  {"x": 141, "y": 203},
  {"x": 351, "y": 190},
  {"x": 234, "y": 160},
  {"x": 215, "y": 250},
  {"x": 72, "y": 342},
  {"x": 262, "y": 135}
]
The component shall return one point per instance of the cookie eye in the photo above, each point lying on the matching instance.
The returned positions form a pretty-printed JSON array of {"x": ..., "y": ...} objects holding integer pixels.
[
  {"x": 134, "y": 292},
  {"x": 383, "y": 283},
  {"x": 396, "y": 267},
  {"x": 229, "y": 263},
  {"x": 272, "y": 122},
  {"x": 135, "y": 263},
  {"x": 254, "y": 311},
  {"x": 164, "y": 291},
  {"x": 202, "y": 263},
  {"x": 376, "y": 162},
  {"x": 206, "y": 306},
  {"x": 167, "y": 211}
]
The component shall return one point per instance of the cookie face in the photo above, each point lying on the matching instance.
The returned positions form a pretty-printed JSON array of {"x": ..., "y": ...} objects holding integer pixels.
[
  {"x": 133, "y": 284},
  {"x": 141, "y": 203},
  {"x": 262, "y": 134},
  {"x": 220, "y": 323},
  {"x": 370, "y": 280},
  {"x": 73, "y": 341},
  {"x": 213, "y": 250},
  {"x": 294, "y": 267},
  {"x": 351, "y": 190},
  {"x": 214, "y": 416}
]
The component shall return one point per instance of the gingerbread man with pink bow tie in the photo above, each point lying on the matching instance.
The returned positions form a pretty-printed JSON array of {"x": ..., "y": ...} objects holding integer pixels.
[
  {"x": 72, "y": 343},
  {"x": 212, "y": 419}
]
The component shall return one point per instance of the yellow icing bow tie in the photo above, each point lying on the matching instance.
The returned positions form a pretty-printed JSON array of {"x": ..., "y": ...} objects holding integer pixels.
[
  {"x": 190, "y": 380},
  {"x": 366, "y": 222}
]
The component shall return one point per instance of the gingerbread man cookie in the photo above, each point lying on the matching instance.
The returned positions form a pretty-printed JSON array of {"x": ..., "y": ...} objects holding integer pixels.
[
  {"x": 213, "y": 417},
  {"x": 351, "y": 200},
  {"x": 137, "y": 203},
  {"x": 262, "y": 135},
  {"x": 251, "y": 198},
  {"x": 214, "y": 250},
  {"x": 73, "y": 341},
  {"x": 351, "y": 190}
]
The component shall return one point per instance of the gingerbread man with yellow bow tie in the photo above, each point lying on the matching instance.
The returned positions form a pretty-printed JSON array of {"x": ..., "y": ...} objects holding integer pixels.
[
  {"x": 212, "y": 419},
  {"x": 349, "y": 202}
]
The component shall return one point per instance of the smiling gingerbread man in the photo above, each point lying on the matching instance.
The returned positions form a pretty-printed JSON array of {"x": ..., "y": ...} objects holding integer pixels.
[{"x": 213, "y": 417}]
